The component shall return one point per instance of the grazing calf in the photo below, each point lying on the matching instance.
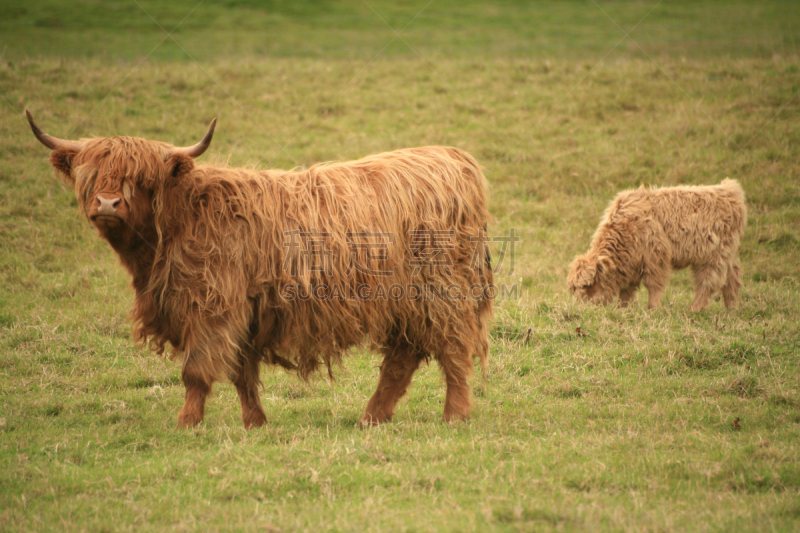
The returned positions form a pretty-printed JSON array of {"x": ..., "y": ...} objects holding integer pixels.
[
  {"x": 647, "y": 232},
  {"x": 235, "y": 267}
]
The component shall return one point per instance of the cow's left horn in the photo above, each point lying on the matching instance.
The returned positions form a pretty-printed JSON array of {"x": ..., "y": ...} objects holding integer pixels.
[
  {"x": 51, "y": 142},
  {"x": 198, "y": 149}
]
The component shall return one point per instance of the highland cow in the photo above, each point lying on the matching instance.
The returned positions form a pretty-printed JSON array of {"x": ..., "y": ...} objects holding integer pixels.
[
  {"x": 235, "y": 267},
  {"x": 647, "y": 232}
]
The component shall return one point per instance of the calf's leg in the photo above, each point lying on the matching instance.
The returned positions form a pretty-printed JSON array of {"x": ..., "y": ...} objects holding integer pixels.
[
  {"x": 398, "y": 367},
  {"x": 655, "y": 279},
  {"x": 708, "y": 279},
  {"x": 733, "y": 283},
  {"x": 627, "y": 294}
]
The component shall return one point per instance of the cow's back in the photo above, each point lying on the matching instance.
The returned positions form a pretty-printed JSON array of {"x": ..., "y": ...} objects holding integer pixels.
[{"x": 701, "y": 222}]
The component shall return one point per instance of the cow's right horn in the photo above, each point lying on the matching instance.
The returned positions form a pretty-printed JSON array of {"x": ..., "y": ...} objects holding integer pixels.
[{"x": 51, "y": 142}]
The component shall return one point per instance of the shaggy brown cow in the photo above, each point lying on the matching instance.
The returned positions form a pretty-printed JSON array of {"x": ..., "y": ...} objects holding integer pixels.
[
  {"x": 233, "y": 267},
  {"x": 646, "y": 232}
]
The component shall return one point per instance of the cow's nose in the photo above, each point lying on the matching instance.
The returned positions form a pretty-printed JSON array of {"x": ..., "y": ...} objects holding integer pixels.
[{"x": 106, "y": 206}]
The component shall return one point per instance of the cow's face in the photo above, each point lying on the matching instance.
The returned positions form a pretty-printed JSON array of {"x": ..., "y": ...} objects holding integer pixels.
[
  {"x": 590, "y": 279},
  {"x": 115, "y": 179},
  {"x": 116, "y": 203}
]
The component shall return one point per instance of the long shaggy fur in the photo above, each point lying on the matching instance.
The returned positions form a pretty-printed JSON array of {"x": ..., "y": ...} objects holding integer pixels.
[
  {"x": 214, "y": 251},
  {"x": 647, "y": 232}
]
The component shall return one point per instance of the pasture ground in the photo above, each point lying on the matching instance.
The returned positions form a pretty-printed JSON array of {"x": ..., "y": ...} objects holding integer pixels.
[{"x": 587, "y": 418}]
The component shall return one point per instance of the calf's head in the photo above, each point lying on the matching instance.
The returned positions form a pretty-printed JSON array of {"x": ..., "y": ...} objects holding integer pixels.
[
  {"x": 115, "y": 178},
  {"x": 590, "y": 278}
]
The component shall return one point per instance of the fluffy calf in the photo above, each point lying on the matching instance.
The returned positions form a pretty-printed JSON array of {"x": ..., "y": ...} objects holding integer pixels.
[
  {"x": 647, "y": 232},
  {"x": 235, "y": 267}
]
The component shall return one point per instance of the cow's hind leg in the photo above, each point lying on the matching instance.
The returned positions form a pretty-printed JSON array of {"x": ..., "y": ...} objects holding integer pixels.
[
  {"x": 198, "y": 387},
  {"x": 398, "y": 367},
  {"x": 730, "y": 292},
  {"x": 246, "y": 383},
  {"x": 708, "y": 279}
]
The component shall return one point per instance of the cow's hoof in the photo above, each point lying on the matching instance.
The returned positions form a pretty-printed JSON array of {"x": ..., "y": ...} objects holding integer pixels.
[
  {"x": 455, "y": 418},
  {"x": 188, "y": 420},
  {"x": 254, "y": 419},
  {"x": 368, "y": 421}
]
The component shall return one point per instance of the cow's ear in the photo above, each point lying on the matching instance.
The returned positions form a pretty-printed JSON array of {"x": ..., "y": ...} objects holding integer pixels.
[
  {"x": 61, "y": 160},
  {"x": 179, "y": 164}
]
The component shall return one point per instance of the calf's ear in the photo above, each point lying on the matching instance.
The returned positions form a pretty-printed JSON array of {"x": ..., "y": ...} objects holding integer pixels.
[
  {"x": 604, "y": 263},
  {"x": 179, "y": 164},
  {"x": 61, "y": 160},
  {"x": 586, "y": 275}
]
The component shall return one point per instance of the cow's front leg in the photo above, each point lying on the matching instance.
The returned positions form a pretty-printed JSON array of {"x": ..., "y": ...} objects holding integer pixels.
[
  {"x": 457, "y": 367},
  {"x": 198, "y": 388},
  {"x": 209, "y": 356},
  {"x": 246, "y": 383}
]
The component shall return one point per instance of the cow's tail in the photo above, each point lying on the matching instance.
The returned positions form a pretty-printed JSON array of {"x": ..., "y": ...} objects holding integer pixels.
[{"x": 484, "y": 308}]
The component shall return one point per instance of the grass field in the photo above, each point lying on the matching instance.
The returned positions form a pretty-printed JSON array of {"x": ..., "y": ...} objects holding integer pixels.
[{"x": 587, "y": 418}]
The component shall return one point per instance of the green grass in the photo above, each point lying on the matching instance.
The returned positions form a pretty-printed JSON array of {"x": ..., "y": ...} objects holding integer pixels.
[
  {"x": 588, "y": 418},
  {"x": 441, "y": 28}
]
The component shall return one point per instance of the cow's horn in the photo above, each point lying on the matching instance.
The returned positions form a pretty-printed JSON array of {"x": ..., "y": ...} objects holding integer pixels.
[
  {"x": 51, "y": 142},
  {"x": 198, "y": 149}
]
